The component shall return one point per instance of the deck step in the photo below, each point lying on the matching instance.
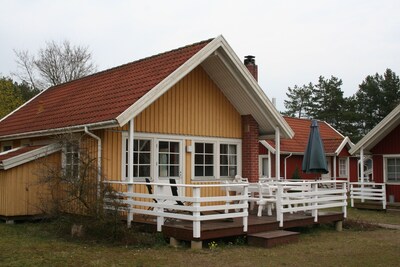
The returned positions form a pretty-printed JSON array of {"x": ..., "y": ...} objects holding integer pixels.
[{"x": 272, "y": 238}]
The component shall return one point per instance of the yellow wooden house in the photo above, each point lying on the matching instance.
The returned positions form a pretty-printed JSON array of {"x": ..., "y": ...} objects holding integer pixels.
[{"x": 194, "y": 114}]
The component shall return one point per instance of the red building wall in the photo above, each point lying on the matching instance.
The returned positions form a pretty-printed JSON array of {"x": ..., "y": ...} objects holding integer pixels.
[{"x": 390, "y": 144}]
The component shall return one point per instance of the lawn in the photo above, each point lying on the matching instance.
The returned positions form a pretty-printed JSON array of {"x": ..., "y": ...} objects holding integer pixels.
[{"x": 30, "y": 244}]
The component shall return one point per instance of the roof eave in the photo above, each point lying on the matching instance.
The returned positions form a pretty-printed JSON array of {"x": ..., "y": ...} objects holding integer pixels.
[{"x": 48, "y": 132}]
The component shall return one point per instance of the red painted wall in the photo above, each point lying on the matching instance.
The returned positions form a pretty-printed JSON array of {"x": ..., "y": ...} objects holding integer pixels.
[{"x": 390, "y": 144}]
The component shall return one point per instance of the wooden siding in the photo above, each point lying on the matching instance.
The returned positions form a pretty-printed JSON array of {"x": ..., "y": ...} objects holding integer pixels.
[
  {"x": 21, "y": 194},
  {"x": 390, "y": 144},
  {"x": 194, "y": 106}
]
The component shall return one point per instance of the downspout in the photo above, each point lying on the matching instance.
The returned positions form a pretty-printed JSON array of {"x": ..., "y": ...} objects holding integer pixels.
[
  {"x": 286, "y": 165},
  {"x": 98, "y": 158}
]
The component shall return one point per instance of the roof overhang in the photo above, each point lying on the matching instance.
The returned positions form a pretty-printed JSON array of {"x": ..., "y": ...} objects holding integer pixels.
[
  {"x": 234, "y": 80},
  {"x": 383, "y": 128},
  {"x": 72, "y": 129},
  {"x": 268, "y": 146},
  {"x": 346, "y": 141},
  {"x": 29, "y": 156}
]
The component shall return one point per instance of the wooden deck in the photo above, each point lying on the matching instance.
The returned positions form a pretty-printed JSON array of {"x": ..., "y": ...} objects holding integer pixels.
[{"x": 183, "y": 230}]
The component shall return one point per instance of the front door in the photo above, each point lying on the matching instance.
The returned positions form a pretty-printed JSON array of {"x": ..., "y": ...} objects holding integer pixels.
[{"x": 169, "y": 163}]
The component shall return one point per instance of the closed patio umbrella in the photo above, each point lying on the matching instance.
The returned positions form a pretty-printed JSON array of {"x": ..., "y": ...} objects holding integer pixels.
[{"x": 314, "y": 160}]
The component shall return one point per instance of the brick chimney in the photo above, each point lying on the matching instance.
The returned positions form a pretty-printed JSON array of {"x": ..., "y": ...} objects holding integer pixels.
[{"x": 250, "y": 63}]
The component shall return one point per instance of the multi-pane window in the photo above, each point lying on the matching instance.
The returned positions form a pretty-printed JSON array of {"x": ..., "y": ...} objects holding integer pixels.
[
  {"x": 168, "y": 159},
  {"x": 204, "y": 160},
  {"x": 342, "y": 167},
  {"x": 228, "y": 160},
  {"x": 141, "y": 158},
  {"x": 393, "y": 169},
  {"x": 71, "y": 162}
]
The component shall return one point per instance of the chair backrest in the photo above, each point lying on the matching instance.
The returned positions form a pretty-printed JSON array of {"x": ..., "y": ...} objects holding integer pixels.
[
  {"x": 174, "y": 191},
  {"x": 149, "y": 188}
]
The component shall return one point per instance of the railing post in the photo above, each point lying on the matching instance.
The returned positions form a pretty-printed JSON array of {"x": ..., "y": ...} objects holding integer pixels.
[
  {"x": 129, "y": 216},
  {"x": 352, "y": 195},
  {"x": 344, "y": 207},
  {"x": 159, "y": 209},
  {"x": 245, "y": 192},
  {"x": 315, "y": 204},
  {"x": 279, "y": 206},
  {"x": 383, "y": 196},
  {"x": 196, "y": 214}
]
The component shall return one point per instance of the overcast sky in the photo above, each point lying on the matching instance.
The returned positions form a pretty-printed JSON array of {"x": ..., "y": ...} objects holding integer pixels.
[{"x": 294, "y": 41}]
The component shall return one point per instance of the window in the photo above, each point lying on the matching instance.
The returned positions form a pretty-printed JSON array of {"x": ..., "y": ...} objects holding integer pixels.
[
  {"x": 141, "y": 158},
  {"x": 5, "y": 146},
  {"x": 228, "y": 160},
  {"x": 393, "y": 169},
  {"x": 71, "y": 159},
  {"x": 204, "y": 160},
  {"x": 343, "y": 167},
  {"x": 168, "y": 159}
]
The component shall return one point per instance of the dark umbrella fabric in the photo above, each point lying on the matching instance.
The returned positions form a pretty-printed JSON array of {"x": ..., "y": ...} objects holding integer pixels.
[{"x": 314, "y": 160}]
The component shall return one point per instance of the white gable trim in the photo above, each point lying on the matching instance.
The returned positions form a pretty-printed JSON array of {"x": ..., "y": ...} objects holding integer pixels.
[
  {"x": 345, "y": 141},
  {"x": 29, "y": 156},
  {"x": 255, "y": 92},
  {"x": 268, "y": 146},
  {"x": 378, "y": 132}
]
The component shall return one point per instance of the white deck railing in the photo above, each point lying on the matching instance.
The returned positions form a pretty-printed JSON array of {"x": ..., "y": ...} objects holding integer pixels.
[
  {"x": 368, "y": 191},
  {"x": 166, "y": 205},
  {"x": 309, "y": 196}
]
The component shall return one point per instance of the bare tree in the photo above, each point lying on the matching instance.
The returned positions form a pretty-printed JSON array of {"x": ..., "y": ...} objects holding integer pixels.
[{"x": 55, "y": 64}]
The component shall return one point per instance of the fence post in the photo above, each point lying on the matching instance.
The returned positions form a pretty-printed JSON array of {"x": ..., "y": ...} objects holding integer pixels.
[
  {"x": 384, "y": 196},
  {"x": 129, "y": 216},
  {"x": 352, "y": 195},
  {"x": 246, "y": 209},
  {"x": 159, "y": 209},
  {"x": 315, "y": 210},
  {"x": 196, "y": 214},
  {"x": 279, "y": 206},
  {"x": 344, "y": 207}
]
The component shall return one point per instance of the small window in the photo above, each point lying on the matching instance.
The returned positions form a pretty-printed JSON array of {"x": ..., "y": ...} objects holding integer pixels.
[
  {"x": 204, "y": 160},
  {"x": 393, "y": 169},
  {"x": 228, "y": 160},
  {"x": 343, "y": 167},
  {"x": 6, "y": 148},
  {"x": 71, "y": 159},
  {"x": 141, "y": 158}
]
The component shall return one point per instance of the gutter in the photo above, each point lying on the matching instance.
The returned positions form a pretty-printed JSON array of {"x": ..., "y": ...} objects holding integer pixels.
[
  {"x": 77, "y": 128},
  {"x": 286, "y": 165},
  {"x": 98, "y": 158}
]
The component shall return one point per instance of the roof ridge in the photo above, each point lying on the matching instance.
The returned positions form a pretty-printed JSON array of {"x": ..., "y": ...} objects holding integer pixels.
[{"x": 132, "y": 62}]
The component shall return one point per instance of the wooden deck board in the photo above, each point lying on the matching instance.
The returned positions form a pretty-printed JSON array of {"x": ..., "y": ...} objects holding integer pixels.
[{"x": 183, "y": 230}]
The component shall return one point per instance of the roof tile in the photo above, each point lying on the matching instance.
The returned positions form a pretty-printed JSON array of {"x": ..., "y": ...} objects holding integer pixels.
[{"x": 98, "y": 97}]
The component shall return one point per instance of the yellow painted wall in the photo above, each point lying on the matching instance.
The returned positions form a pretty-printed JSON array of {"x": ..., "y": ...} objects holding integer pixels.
[
  {"x": 21, "y": 193},
  {"x": 194, "y": 106}
]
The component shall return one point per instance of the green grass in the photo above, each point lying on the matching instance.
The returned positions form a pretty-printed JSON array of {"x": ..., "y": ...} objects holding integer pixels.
[{"x": 33, "y": 244}]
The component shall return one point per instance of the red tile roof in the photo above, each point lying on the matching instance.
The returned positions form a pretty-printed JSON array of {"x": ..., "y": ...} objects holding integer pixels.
[
  {"x": 17, "y": 152},
  {"x": 301, "y": 127},
  {"x": 96, "y": 98}
]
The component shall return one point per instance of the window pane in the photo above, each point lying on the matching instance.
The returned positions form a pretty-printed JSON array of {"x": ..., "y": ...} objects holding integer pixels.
[
  {"x": 174, "y": 147},
  {"x": 144, "y": 171},
  {"x": 174, "y": 171},
  {"x": 174, "y": 158},
  {"x": 232, "y": 149},
  {"x": 209, "y": 159},
  {"x": 163, "y": 171},
  {"x": 224, "y": 160},
  {"x": 224, "y": 149},
  {"x": 391, "y": 162},
  {"x": 209, "y": 171},
  {"x": 144, "y": 158},
  {"x": 135, "y": 158},
  {"x": 199, "y": 159},
  {"x": 163, "y": 147},
  {"x": 223, "y": 170},
  {"x": 135, "y": 171},
  {"x": 232, "y": 171},
  {"x": 232, "y": 160},
  {"x": 135, "y": 145},
  {"x": 209, "y": 148},
  {"x": 163, "y": 158},
  {"x": 199, "y": 148},
  {"x": 144, "y": 145},
  {"x": 198, "y": 171}
]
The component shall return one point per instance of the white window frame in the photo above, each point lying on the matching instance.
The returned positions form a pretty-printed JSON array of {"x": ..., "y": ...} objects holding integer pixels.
[
  {"x": 237, "y": 159},
  {"x": 64, "y": 158},
  {"x": 124, "y": 172},
  {"x": 215, "y": 162},
  {"x": 6, "y": 144},
  {"x": 385, "y": 174},
  {"x": 260, "y": 165},
  {"x": 346, "y": 166}
]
